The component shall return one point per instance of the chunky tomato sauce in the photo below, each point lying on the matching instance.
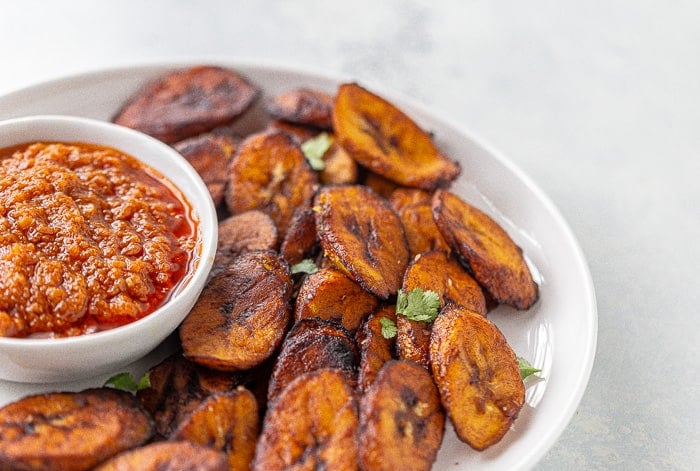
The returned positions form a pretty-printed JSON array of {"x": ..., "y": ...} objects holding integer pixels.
[{"x": 90, "y": 238}]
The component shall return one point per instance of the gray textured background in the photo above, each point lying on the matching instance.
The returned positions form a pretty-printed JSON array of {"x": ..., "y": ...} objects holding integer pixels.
[{"x": 597, "y": 101}]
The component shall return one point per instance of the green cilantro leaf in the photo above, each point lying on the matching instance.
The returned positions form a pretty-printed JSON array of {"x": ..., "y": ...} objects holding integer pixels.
[
  {"x": 314, "y": 149},
  {"x": 126, "y": 382},
  {"x": 526, "y": 369},
  {"x": 418, "y": 305},
  {"x": 305, "y": 266},
  {"x": 388, "y": 328}
]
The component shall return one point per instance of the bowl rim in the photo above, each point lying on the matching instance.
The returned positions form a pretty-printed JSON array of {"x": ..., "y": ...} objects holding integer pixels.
[{"x": 204, "y": 214}]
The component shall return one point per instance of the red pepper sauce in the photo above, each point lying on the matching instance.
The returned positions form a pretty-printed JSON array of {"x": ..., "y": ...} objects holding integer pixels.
[{"x": 90, "y": 239}]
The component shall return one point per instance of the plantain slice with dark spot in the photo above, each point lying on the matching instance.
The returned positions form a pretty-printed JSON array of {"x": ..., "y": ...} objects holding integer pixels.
[
  {"x": 363, "y": 236},
  {"x": 70, "y": 430},
  {"x": 303, "y": 105},
  {"x": 242, "y": 314},
  {"x": 187, "y": 102},
  {"x": 177, "y": 387},
  {"x": 210, "y": 155},
  {"x": 413, "y": 207},
  {"x": 310, "y": 345},
  {"x": 271, "y": 174},
  {"x": 300, "y": 238},
  {"x": 339, "y": 168},
  {"x": 401, "y": 419},
  {"x": 244, "y": 232},
  {"x": 496, "y": 262},
  {"x": 329, "y": 294},
  {"x": 477, "y": 375},
  {"x": 386, "y": 141},
  {"x": 168, "y": 456},
  {"x": 225, "y": 422},
  {"x": 375, "y": 348},
  {"x": 311, "y": 425}
]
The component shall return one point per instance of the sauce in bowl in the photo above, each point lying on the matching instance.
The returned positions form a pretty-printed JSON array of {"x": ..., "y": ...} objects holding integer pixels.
[{"x": 90, "y": 239}]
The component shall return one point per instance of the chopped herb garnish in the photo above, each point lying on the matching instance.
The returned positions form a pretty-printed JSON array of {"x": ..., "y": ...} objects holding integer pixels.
[
  {"x": 314, "y": 149},
  {"x": 305, "y": 266},
  {"x": 388, "y": 328},
  {"x": 526, "y": 369},
  {"x": 418, "y": 305},
  {"x": 126, "y": 382}
]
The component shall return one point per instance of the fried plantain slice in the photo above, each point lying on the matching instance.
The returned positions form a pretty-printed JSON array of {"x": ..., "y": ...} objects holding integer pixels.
[
  {"x": 270, "y": 173},
  {"x": 70, "y": 430},
  {"x": 210, "y": 155},
  {"x": 380, "y": 185},
  {"x": 242, "y": 314},
  {"x": 300, "y": 239},
  {"x": 401, "y": 419},
  {"x": 363, "y": 236},
  {"x": 167, "y": 456},
  {"x": 243, "y": 232},
  {"x": 177, "y": 387},
  {"x": 303, "y": 105},
  {"x": 496, "y": 262},
  {"x": 299, "y": 133},
  {"x": 477, "y": 375},
  {"x": 437, "y": 272},
  {"x": 311, "y": 425},
  {"x": 386, "y": 141},
  {"x": 413, "y": 207},
  {"x": 188, "y": 102},
  {"x": 329, "y": 294},
  {"x": 375, "y": 349},
  {"x": 339, "y": 167},
  {"x": 310, "y": 345},
  {"x": 225, "y": 422}
]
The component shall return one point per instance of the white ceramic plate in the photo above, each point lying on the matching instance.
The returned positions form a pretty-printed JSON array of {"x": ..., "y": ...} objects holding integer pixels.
[{"x": 557, "y": 335}]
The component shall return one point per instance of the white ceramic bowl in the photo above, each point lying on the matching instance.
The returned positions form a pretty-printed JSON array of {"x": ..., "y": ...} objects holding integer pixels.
[{"x": 42, "y": 360}]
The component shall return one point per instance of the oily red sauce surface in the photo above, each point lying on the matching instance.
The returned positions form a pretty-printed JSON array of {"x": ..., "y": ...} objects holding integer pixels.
[{"x": 90, "y": 238}]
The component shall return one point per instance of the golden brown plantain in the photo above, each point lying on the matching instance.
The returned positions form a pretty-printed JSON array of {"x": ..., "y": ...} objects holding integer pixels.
[
  {"x": 242, "y": 314},
  {"x": 302, "y": 106},
  {"x": 386, "y": 141},
  {"x": 177, "y": 387},
  {"x": 225, "y": 422},
  {"x": 299, "y": 133},
  {"x": 496, "y": 262},
  {"x": 413, "y": 207},
  {"x": 438, "y": 272},
  {"x": 300, "y": 239},
  {"x": 477, "y": 375},
  {"x": 329, "y": 294},
  {"x": 363, "y": 236},
  {"x": 401, "y": 420},
  {"x": 375, "y": 349},
  {"x": 187, "y": 102},
  {"x": 70, "y": 431},
  {"x": 243, "y": 232},
  {"x": 168, "y": 456},
  {"x": 270, "y": 173},
  {"x": 210, "y": 155},
  {"x": 311, "y": 425},
  {"x": 339, "y": 167},
  {"x": 434, "y": 271},
  {"x": 380, "y": 185},
  {"x": 310, "y": 345}
]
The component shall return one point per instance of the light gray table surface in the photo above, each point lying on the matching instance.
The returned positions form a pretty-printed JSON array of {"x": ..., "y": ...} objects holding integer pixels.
[{"x": 599, "y": 102}]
